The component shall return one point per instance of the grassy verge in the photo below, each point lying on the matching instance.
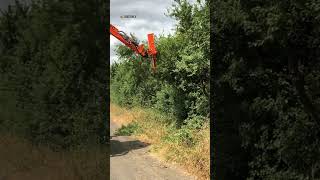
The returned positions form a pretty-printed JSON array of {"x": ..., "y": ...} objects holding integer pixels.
[
  {"x": 128, "y": 130},
  {"x": 19, "y": 159},
  {"x": 187, "y": 147}
]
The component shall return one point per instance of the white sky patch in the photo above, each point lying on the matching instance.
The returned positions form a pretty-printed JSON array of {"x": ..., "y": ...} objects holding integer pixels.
[
  {"x": 5, "y": 3},
  {"x": 150, "y": 18}
]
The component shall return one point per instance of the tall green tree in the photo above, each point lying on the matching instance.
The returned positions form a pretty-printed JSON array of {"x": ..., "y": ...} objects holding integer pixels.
[
  {"x": 55, "y": 69},
  {"x": 266, "y": 84},
  {"x": 180, "y": 87}
]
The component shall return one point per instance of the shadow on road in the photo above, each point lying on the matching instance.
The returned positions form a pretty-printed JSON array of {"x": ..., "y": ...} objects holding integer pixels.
[{"x": 119, "y": 148}]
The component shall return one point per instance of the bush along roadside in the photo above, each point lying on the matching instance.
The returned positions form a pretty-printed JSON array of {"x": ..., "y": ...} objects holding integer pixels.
[
  {"x": 175, "y": 99},
  {"x": 127, "y": 130},
  {"x": 187, "y": 145}
]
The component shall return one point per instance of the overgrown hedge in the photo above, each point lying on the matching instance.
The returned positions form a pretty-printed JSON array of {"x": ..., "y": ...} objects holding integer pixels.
[
  {"x": 53, "y": 70},
  {"x": 266, "y": 103},
  {"x": 180, "y": 87},
  {"x": 265, "y": 79}
]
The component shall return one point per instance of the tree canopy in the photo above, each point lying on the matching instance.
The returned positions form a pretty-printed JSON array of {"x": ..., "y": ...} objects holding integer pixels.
[
  {"x": 265, "y": 74},
  {"x": 53, "y": 70},
  {"x": 180, "y": 87}
]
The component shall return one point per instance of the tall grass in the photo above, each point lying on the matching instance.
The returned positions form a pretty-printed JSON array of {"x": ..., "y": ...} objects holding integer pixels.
[
  {"x": 19, "y": 159},
  {"x": 188, "y": 147}
]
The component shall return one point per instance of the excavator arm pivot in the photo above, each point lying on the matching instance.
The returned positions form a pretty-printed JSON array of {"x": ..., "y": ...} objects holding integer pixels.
[{"x": 139, "y": 49}]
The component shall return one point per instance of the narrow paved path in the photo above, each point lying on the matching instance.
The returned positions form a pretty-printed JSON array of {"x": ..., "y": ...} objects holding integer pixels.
[{"x": 129, "y": 160}]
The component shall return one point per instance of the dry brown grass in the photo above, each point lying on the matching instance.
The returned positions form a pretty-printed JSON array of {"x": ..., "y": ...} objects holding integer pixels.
[
  {"x": 21, "y": 160},
  {"x": 124, "y": 116},
  {"x": 195, "y": 159}
]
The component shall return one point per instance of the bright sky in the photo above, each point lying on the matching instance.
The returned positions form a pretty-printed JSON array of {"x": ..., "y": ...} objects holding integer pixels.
[
  {"x": 150, "y": 18},
  {"x": 4, "y": 3}
]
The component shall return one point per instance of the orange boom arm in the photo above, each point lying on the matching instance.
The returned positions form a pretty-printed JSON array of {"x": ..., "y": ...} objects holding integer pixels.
[{"x": 139, "y": 49}]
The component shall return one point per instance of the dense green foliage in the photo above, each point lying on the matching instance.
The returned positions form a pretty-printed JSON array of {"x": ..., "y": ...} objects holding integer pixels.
[
  {"x": 180, "y": 87},
  {"x": 53, "y": 71},
  {"x": 266, "y": 80},
  {"x": 127, "y": 130}
]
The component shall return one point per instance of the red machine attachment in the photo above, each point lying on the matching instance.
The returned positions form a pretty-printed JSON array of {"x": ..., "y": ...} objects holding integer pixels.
[
  {"x": 139, "y": 49},
  {"x": 152, "y": 51}
]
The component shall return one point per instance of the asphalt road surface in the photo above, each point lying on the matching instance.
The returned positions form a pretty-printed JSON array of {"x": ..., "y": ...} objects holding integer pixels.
[{"x": 130, "y": 160}]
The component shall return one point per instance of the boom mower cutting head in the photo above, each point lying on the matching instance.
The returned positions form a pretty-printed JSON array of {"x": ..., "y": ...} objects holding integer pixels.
[
  {"x": 139, "y": 49},
  {"x": 152, "y": 52}
]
